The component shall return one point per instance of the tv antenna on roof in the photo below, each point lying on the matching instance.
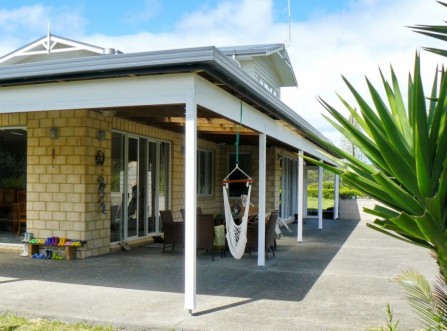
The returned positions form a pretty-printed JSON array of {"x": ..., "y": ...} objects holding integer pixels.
[
  {"x": 289, "y": 36},
  {"x": 48, "y": 37}
]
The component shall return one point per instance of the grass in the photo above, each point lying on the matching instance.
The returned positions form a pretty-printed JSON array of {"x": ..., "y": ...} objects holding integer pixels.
[
  {"x": 312, "y": 203},
  {"x": 11, "y": 322}
]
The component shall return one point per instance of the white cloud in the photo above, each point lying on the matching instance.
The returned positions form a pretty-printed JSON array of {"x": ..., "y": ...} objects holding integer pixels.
[
  {"x": 138, "y": 15},
  {"x": 229, "y": 23},
  {"x": 238, "y": 19},
  {"x": 23, "y": 25},
  {"x": 354, "y": 42}
]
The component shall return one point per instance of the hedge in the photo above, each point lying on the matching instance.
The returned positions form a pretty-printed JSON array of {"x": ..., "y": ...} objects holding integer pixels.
[{"x": 345, "y": 192}]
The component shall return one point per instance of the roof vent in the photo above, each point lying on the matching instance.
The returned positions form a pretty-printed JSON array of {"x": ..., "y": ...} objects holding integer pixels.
[{"x": 109, "y": 51}]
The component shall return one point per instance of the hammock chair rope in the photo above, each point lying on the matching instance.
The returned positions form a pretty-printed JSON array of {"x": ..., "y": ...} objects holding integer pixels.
[{"x": 236, "y": 233}]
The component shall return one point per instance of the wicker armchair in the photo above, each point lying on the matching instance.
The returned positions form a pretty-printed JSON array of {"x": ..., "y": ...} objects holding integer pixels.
[
  {"x": 270, "y": 242},
  {"x": 205, "y": 233},
  {"x": 174, "y": 232}
]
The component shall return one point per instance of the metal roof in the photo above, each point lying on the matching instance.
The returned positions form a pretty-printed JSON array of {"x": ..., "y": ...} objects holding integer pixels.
[{"x": 212, "y": 63}]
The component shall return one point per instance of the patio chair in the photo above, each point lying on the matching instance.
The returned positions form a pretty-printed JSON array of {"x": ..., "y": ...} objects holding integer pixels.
[
  {"x": 198, "y": 212},
  {"x": 205, "y": 233},
  {"x": 21, "y": 199},
  {"x": 174, "y": 232},
  {"x": 270, "y": 234}
]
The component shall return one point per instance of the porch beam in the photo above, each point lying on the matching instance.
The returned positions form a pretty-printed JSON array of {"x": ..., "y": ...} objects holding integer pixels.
[
  {"x": 190, "y": 201},
  {"x": 320, "y": 197},
  {"x": 300, "y": 195},
  {"x": 215, "y": 98},
  {"x": 262, "y": 186},
  {"x": 97, "y": 93}
]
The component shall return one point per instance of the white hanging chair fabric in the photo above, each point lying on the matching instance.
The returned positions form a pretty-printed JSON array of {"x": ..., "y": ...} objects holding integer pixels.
[{"x": 236, "y": 234}]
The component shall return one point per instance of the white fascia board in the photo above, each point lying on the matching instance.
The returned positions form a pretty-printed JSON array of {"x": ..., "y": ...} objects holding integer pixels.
[
  {"x": 116, "y": 92},
  {"x": 221, "y": 102}
]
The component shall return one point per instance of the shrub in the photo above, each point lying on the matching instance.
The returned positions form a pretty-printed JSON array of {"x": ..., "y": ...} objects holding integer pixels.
[
  {"x": 350, "y": 193},
  {"x": 345, "y": 192}
]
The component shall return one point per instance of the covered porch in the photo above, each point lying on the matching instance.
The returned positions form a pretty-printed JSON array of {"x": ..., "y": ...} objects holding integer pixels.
[{"x": 179, "y": 103}]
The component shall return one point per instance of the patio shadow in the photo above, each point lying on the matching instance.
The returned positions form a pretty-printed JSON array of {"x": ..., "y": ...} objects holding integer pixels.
[{"x": 287, "y": 276}]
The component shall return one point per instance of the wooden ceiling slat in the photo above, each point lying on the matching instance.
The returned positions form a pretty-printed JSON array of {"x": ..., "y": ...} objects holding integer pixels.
[{"x": 210, "y": 126}]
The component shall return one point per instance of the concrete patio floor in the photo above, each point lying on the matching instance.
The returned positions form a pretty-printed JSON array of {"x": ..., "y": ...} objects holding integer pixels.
[{"x": 339, "y": 278}]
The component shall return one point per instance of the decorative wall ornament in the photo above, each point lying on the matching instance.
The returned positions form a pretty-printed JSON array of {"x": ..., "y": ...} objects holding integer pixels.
[{"x": 100, "y": 158}]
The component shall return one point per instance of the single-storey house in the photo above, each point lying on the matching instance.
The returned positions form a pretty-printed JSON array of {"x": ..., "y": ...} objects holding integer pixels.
[{"x": 95, "y": 142}]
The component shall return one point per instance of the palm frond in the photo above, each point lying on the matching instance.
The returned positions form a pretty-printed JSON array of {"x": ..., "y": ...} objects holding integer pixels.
[
  {"x": 440, "y": 295},
  {"x": 420, "y": 296}
]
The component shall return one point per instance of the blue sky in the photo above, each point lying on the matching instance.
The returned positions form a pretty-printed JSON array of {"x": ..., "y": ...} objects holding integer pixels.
[
  {"x": 329, "y": 38},
  {"x": 126, "y": 17}
]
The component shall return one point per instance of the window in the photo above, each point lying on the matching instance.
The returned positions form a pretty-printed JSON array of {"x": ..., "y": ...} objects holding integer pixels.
[
  {"x": 204, "y": 172},
  {"x": 237, "y": 189}
]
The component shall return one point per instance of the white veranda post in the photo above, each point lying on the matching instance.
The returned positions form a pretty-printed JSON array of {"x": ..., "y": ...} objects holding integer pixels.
[
  {"x": 261, "y": 203},
  {"x": 190, "y": 202},
  {"x": 336, "y": 196},
  {"x": 320, "y": 197},
  {"x": 300, "y": 195}
]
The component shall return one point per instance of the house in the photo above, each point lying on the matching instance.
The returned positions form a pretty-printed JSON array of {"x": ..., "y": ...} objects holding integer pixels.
[
  {"x": 158, "y": 128},
  {"x": 97, "y": 142}
]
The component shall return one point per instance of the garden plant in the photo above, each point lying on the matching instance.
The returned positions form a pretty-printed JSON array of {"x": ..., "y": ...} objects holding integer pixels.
[{"x": 406, "y": 145}]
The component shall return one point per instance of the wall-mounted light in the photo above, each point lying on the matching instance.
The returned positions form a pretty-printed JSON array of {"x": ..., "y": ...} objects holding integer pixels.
[
  {"x": 54, "y": 133},
  {"x": 101, "y": 135},
  {"x": 108, "y": 113}
]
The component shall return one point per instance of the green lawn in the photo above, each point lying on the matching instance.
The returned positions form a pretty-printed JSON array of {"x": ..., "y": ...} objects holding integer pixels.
[
  {"x": 312, "y": 203},
  {"x": 9, "y": 322}
]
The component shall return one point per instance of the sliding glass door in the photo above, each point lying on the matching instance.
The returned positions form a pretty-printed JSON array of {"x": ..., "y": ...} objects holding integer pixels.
[
  {"x": 289, "y": 187},
  {"x": 140, "y": 181}
]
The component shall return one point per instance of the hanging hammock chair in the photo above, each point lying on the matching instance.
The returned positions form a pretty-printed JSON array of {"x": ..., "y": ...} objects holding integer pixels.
[{"x": 236, "y": 233}]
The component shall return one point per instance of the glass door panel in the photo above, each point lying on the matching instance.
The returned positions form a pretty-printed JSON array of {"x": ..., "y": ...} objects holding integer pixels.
[
  {"x": 151, "y": 186},
  {"x": 164, "y": 170},
  {"x": 289, "y": 187},
  {"x": 117, "y": 188},
  {"x": 132, "y": 187},
  {"x": 142, "y": 180}
]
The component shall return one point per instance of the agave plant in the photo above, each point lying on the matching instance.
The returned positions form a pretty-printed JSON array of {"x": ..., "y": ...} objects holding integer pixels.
[
  {"x": 407, "y": 150},
  {"x": 434, "y": 31}
]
